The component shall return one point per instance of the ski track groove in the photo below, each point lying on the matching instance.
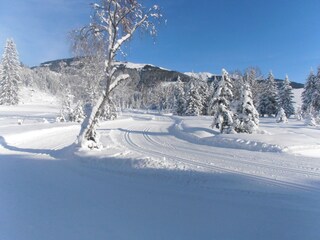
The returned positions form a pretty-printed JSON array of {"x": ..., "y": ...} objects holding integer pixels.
[
  {"x": 242, "y": 160},
  {"x": 197, "y": 164},
  {"x": 231, "y": 159}
]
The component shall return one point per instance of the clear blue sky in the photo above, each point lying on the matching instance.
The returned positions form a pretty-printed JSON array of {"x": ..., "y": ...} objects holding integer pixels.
[{"x": 203, "y": 35}]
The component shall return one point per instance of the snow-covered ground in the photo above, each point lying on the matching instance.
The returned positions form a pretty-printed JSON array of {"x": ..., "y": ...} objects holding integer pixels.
[{"x": 159, "y": 177}]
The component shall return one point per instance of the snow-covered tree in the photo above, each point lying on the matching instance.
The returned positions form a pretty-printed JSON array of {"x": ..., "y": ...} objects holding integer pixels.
[
  {"x": 286, "y": 98},
  {"x": 281, "y": 116},
  {"x": 252, "y": 76},
  {"x": 193, "y": 99},
  {"x": 308, "y": 92},
  {"x": 298, "y": 113},
  {"x": 66, "y": 112},
  {"x": 219, "y": 105},
  {"x": 248, "y": 117},
  {"x": 9, "y": 75},
  {"x": 268, "y": 103},
  {"x": 316, "y": 94},
  {"x": 109, "y": 112},
  {"x": 78, "y": 113},
  {"x": 202, "y": 89},
  {"x": 26, "y": 76},
  {"x": 309, "y": 117},
  {"x": 204, "y": 95},
  {"x": 237, "y": 83},
  {"x": 114, "y": 23},
  {"x": 179, "y": 98}
]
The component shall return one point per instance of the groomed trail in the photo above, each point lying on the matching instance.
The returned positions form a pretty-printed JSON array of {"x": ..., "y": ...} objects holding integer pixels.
[{"x": 159, "y": 177}]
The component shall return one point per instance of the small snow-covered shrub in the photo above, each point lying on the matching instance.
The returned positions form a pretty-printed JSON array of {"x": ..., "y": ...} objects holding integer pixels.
[
  {"x": 77, "y": 114},
  {"x": 281, "y": 116},
  {"x": 298, "y": 113}
]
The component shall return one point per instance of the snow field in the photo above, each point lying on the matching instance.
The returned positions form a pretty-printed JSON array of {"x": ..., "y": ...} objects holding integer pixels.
[{"x": 159, "y": 177}]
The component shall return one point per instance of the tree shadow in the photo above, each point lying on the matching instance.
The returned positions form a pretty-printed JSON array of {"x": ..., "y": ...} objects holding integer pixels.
[{"x": 62, "y": 153}]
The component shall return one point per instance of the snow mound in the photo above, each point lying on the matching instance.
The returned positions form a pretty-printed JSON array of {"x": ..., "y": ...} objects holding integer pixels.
[{"x": 180, "y": 130}]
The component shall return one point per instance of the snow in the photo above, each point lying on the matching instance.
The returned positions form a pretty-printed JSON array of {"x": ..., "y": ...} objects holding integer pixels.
[
  {"x": 160, "y": 177},
  {"x": 137, "y": 66},
  {"x": 201, "y": 75}
]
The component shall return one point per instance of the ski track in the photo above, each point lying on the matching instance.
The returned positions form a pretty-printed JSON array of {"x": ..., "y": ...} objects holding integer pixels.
[{"x": 150, "y": 138}]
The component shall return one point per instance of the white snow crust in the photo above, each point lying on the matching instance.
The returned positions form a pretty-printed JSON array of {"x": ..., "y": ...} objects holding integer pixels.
[{"x": 158, "y": 177}]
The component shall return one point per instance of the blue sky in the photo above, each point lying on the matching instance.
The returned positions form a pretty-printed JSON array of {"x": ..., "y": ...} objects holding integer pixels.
[{"x": 204, "y": 35}]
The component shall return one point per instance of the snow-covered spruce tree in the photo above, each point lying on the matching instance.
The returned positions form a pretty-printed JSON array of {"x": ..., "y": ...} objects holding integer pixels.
[
  {"x": 252, "y": 76},
  {"x": 211, "y": 91},
  {"x": 298, "y": 113},
  {"x": 308, "y": 92},
  {"x": 286, "y": 97},
  {"x": 203, "y": 90},
  {"x": 268, "y": 103},
  {"x": 237, "y": 83},
  {"x": 114, "y": 23},
  {"x": 109, "y": 112},
  {"x": 248, "y": 117},
  {"x": 78, "y": 113},
  {"x": 281, "y": 116},
  {"x": 219, "y": 105},
  {"x": 193, "y": 99},
  {"x": 205, "y": 96},
  {"x": 179, "y": 98},
  {"x": 316, "y": 94},
  {"x": 66, "y": 112},
  {"x": 9, "y": 75},
  {"x": 309, "y": 118}
]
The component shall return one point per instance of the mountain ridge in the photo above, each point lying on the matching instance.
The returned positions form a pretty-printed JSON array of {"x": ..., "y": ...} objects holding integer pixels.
[{"x": 149, "y": 73}]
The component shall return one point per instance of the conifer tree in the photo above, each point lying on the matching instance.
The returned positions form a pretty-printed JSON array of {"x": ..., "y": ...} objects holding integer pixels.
[
  {"x": 248, "y": 117},
  {"x": 268, "y": 103},
  {"x": 281, "y": 116},
  {"x": 308, "y": 92},
  {"x": 286, "y": 98},
  {"x": 9, "y": 75},
  {"x": 194, "y": 102},
  {"x": 78, "y": 113},
  {"x": 309, "y": 118},
  {"x": 66, "y": 111},
  {"x": 204, "y": 96},
  {"x": 179, "y": 98},
  {"x": 316, "y": 94},
  {"x": 109, "y": 112},
  {"x": 219, "y": 105},
  {"x": 252, "y": 76}
]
